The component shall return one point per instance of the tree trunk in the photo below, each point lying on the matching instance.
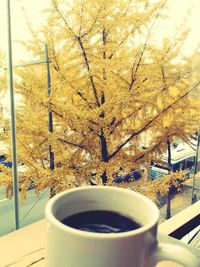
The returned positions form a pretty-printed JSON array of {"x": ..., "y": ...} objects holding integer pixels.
[
  {"x": 168, "y": 208},
  {"x": 169, "y": 154},
  {"x": 104, "y": 178},
  {"x": 104, "y": 153},
  {"x": 51, "y": 156},
  {"x": 104, "y": 150}
]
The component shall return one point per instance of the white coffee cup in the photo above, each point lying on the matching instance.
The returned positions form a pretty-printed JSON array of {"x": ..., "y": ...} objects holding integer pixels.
[{"x": 69, "y": 247}]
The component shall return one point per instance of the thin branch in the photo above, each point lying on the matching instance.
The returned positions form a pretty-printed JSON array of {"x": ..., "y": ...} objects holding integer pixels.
[
  {"x": 147, "y": 38},
  {"x": 89, "y": 71},
  {"x": 72, "y": 144},
  {"x": 53, "y": 110},
  {"x": 164, "y": 79},
  {"x": 147, "y": 151},
  {"x": 92, "y": 26},
  {"x": 147, "y": 125},
  {"x": 126, "y": 38},
  {"x": 30, "y": 26},
  {"x": 131, "y": 83},
  {"x": 56, "y": 65},
  {"x": 130, "y": 115},
  {"x": 80, "y": 28},
  {"x": 64, "y": 20},
  {"x": 121, "y": 43},
  {"x": 84, "y": 99},
  {"x": 118, "y": 75}
]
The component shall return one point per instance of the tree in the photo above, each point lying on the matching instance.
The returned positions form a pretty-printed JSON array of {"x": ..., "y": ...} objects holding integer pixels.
[
  {"x": 180, "y": 123},
  {"x": 2, "y": 87},
  {"x": 5, "y": 172},
  {"x": 111, "y": 86}
]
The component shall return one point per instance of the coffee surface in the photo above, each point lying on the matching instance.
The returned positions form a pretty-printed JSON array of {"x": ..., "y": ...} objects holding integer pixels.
[{"x": 101, "y": 221}]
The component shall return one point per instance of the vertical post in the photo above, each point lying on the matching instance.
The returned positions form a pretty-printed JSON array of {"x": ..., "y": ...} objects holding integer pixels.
[
  {"x": 13, "y": 127},
  {"x": 48, "y": 70},
  {"x": 196, "y": 169},
  {"x": 50, "y": 115}
]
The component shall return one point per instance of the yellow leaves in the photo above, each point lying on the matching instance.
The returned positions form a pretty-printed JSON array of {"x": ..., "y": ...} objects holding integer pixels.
[
  {"x": 160, "y": 101},
  {"x": 5, "y": 175},
  {"x": 162, "y": 185},
  {"x": 167, "y": 120},
  {"x": 147, "y": 188},
  {"x": 103, "y": 50},
  {"x": 171, "y": 180},
  {"x": 174, "y": 91}
]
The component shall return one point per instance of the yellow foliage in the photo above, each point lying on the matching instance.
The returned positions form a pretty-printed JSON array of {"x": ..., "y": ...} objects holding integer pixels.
[
  {"x": 111, "y": 86},
  {"x": 162, "y": 185}
]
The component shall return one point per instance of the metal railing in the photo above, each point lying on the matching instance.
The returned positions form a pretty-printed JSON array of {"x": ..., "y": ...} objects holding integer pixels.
[{"x": 182, "y": 223}]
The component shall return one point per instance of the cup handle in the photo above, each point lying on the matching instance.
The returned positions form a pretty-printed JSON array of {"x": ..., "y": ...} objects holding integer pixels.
[{"x": 172, "y": 252}]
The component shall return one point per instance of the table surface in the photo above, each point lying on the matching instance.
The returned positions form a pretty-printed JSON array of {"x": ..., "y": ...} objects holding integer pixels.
[{"x": 26, "y": 247}]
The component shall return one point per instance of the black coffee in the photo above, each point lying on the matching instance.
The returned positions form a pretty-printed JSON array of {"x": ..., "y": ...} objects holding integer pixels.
[{"x": 101, "y": 221}]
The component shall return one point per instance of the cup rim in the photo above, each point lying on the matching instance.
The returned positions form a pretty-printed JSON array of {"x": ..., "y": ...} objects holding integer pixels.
[{"x": 144, "y": 228}]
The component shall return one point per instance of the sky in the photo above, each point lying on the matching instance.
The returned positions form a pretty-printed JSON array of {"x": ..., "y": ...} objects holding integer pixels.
[{"x": 34, "y": 11}]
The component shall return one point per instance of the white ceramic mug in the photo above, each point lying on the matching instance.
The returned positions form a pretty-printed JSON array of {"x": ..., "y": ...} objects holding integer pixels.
[{"x": 69, "y": 247}]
